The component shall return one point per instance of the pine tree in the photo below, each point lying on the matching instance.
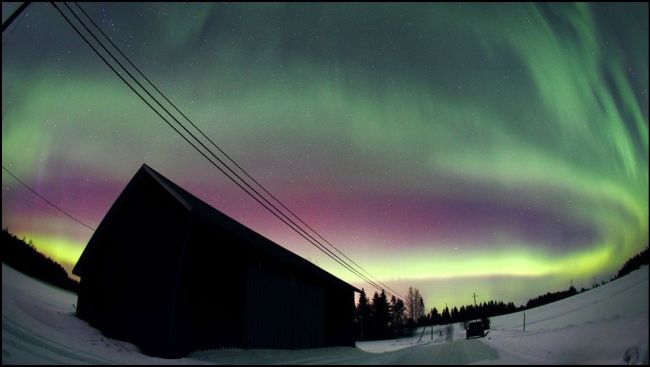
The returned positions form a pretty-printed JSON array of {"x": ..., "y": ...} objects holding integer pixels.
[
  {"x": 397, "y": 312},
  {"x": 391, "y": 311},
  {"x": 363, "y": 314},
  {"x": 379, "y": 311},
  {"x": 446, "y": 318},
  {"x": 435, "y": 316}
]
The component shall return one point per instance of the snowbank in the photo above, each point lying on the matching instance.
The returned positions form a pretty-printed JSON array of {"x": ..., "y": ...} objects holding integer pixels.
[
  {"x": 606, "y": 325},
  {"x": 39, "y": 327}
]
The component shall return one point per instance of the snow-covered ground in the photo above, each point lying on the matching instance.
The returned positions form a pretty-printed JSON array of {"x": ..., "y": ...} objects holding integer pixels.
[{"x": 606, "y": 325}]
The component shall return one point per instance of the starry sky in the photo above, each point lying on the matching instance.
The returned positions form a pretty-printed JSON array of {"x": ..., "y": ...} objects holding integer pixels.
[{"x": 459, "y": 148}]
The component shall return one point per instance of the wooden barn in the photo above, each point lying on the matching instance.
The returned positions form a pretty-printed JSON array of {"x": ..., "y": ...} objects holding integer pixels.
[{"x": 172, "y": 275}]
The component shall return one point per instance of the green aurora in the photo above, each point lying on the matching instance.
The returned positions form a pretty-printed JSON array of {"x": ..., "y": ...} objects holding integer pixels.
[{"x": 500, "y": 148}]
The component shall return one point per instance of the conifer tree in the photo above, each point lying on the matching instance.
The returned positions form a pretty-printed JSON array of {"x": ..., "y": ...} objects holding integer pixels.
[{"x": 363, "y": 314}]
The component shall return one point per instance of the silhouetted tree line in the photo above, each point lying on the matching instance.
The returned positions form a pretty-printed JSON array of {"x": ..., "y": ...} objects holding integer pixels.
[
  {"x": 381, "y": 318},
  {"x": 630, "y": 265},
  {"x": 634, "y": 263},
  {"x": 494, "y": 308},
  {"x": 471, "y": 312},
  {"x": 24, "y": 258},
  {"x": 551, "y": 297}
]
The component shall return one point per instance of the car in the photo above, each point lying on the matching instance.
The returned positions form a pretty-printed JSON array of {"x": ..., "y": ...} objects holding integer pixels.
[{"x": 475, "y": 329}]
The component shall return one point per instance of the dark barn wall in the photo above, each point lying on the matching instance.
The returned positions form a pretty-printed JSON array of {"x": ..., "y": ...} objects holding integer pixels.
[
  {"x": 339, "y": 317},
  {"x": 283, "y": 308},
  {"x": 234, "y": 296},
  {"x": 173, "y": 280},
  {"x": 133, "y": 281},
  {"x": 210, "y": 312}
]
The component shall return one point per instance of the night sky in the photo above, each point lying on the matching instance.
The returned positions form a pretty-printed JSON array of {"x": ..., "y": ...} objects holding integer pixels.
[{"x": 500, "y": 149}]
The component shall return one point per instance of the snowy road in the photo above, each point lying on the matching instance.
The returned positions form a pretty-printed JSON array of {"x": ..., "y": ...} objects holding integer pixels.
[
  {"x": 457, "y": 352},
  {"x": 607, "y": 325}
]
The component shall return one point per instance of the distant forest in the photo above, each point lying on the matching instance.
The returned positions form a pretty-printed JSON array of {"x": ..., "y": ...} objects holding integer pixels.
[
  {"x": 382, "y": 319},
  {"x": 630, "y": 265},
  {"x": 634, "y": 263},
  {"x": 23, "y": 257},
  {"x": 376, "y": 318}
]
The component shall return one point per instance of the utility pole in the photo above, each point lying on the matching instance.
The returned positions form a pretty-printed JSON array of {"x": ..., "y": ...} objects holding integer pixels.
[{"x": 474, "y": 299}]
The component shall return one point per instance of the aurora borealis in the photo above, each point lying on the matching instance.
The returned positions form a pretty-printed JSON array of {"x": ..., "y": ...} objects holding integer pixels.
[{"x": 500, "y": 149}]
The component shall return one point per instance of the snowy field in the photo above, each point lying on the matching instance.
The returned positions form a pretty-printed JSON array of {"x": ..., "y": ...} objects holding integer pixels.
[{"x": 607, "y": 325}]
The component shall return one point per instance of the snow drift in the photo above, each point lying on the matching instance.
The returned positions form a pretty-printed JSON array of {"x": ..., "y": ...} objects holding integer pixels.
[{"x": 608, "y": 324}]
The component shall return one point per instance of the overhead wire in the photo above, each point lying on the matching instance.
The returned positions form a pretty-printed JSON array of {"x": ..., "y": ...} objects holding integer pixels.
[
  {"x": 228, "y": 157},
  {"x": 12, "y": 30},
  {"x": 289, "y": 222},
  {"x": 293, "y": 225},
  {"x": 10, "y": 19},
  {"x": 311, "y": 240},
  {"x": 46, "y": 200}
]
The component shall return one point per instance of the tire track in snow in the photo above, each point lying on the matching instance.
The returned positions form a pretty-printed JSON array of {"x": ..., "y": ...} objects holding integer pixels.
[
  {"x": 29, "y": 337},
  {"x": 42, "y": 358}
]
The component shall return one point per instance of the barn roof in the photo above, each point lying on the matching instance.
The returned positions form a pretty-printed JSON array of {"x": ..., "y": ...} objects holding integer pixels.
[{"x": 206, "y": 213}]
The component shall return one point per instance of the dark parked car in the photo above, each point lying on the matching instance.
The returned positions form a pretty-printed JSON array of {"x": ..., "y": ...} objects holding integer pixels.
[{"x": 475, "y": 329}]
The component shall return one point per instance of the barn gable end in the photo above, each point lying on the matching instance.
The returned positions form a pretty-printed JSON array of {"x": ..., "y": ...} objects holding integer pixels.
[{"x": 171, "y": 274}]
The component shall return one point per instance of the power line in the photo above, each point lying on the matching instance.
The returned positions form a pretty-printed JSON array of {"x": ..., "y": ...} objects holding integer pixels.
[
  {"x": 293, "y": 225},
  {"x": 14, "y": 15},
  {"x": 312, "y": 239},
  {"x": 47, "y": 201},
  {"x": 13, "y": 29},
  {"x": 218, "y": 148}
]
